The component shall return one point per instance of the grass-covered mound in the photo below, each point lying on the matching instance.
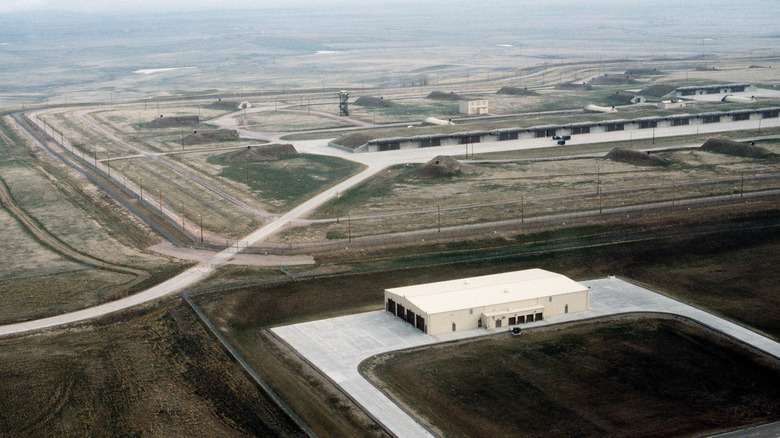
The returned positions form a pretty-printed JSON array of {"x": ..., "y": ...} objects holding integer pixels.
[
  {"x": 263, "y": 153},
  {"x": 516, "y": 91},
  {"x": 644, "y": 72},
  {"x": 657, "y": 90},
  {"x": 440, "y": 167},
  {"x": 217, "y": 135},
  {"x": 730, "y": 147},
  {"x": 229, "y": 105},
  {"x": 353, "y": 140},
  {"x": 440, "y": 95},
  {"x": 613, "y": 79},
  {"x": 573, "y": 87},
  {"x": 635, "y": 158},
  {"x": 620, "y": 98},
  {"x": 172, "y": 122},
  {"x": 372, "y": 102}
]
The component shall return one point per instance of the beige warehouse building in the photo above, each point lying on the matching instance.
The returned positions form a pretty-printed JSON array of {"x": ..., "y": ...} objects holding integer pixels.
[{"x": 490, "y": 301}]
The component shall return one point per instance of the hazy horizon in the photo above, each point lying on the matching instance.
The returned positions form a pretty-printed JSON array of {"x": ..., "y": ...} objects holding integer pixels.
[{"x": 46, "y": 52}]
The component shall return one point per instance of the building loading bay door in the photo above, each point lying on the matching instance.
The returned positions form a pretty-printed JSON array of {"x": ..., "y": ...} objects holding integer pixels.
[{"x": 420, "y": 323}]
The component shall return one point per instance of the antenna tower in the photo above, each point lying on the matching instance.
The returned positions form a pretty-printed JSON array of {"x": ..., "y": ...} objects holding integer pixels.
[{"x": 343, "y": 104}]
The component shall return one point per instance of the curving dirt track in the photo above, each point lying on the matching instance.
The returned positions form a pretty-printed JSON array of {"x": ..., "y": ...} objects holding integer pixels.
[{"x": 49, "y": 240}]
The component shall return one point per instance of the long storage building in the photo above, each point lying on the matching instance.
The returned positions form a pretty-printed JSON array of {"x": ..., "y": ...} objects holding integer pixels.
[{"x": 490, "y": 301}]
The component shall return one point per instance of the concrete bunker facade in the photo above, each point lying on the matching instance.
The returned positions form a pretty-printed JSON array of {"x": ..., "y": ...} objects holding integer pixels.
[
  {"x": 577, "y": 128},
  {"x": 490, "y": 301}
]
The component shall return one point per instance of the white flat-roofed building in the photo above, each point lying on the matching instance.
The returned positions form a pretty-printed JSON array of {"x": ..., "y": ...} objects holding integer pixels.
[
  {"x": 490, "y": 301},
  {"x": 472, "y": 107}
]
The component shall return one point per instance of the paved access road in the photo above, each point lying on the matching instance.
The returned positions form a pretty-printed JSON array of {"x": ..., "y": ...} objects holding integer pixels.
[
  {"x": 337, "y": 346},
  {"x": 374, "y": 162}
]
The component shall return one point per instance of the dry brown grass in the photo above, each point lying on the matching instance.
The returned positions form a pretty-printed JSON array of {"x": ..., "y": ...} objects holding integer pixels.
[
  {"x": 625, "y": 378},
  {"x": 152, "y": 372}
]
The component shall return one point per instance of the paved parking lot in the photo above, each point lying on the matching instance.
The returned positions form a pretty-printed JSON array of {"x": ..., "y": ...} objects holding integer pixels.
[{"x": 337, "y": 346}]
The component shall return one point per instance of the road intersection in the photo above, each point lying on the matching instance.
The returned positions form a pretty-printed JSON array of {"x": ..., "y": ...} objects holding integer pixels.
[{"x": 374, "y": 163}]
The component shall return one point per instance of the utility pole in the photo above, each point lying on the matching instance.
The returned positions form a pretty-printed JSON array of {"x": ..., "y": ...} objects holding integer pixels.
[
  {"x": 159, "y": 197},
  {"x": 742, "y": 185},
  {"x": 598, "y": 180},
  {"x": 141, "y": 184},
  {"x": 522, "y": 209},
  {"x": 600, "y": 203}
]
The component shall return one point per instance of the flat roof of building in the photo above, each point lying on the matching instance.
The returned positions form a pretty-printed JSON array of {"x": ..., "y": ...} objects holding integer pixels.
[{"x": 487, "y": 290}]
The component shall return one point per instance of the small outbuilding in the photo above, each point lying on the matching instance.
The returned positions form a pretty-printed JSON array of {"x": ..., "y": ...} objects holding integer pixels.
[
  {"x": 490, "y": 301},
  {"x": 472, "y": 107}
]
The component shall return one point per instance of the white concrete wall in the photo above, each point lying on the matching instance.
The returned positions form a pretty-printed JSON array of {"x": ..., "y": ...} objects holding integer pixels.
[
  {"x": 463, "y": 319},
  {"x": 469, "y": 318}
]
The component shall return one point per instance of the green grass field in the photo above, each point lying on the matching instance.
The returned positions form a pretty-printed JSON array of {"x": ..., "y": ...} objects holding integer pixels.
[{"x": 284, "y": 183}]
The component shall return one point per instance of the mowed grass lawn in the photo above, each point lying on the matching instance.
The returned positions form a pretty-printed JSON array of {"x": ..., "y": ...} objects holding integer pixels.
[
  {"x": 284, "y": 183},
  {"x": 643, "y": 378}
]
